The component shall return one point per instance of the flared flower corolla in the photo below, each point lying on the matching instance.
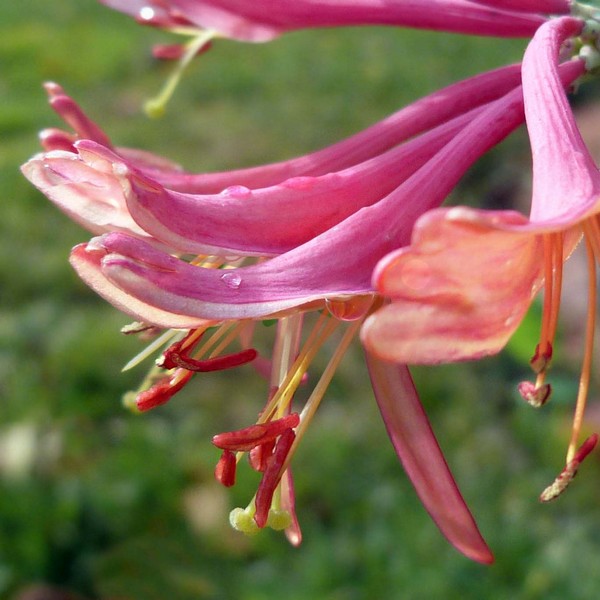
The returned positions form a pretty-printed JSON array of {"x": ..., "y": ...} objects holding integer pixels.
[
  {"x": 261, "y": 21},
  {"x": 324, "y": 233},
  {"x": 463, "y": 286}
]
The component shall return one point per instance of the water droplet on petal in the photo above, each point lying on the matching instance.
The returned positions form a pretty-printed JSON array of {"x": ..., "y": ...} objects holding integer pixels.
[
  {"x": 147, "y": 13},
  {"x": 351, "y": 308},
  {"x": 298, "y": 183},
  {"x": 240, "y": 192},
  {"x": 231, "y": 279}
]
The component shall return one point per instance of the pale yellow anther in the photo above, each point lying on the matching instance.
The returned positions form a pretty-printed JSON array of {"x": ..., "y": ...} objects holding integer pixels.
[
  {"x": 279, "y": 519},
  {"x": 242, "y": 519}
]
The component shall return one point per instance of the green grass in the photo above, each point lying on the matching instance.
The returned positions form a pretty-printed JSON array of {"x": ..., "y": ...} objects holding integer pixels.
[{"x": 117, "y": 506}]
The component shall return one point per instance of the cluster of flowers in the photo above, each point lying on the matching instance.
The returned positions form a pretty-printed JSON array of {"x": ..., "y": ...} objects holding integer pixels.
[{"x": 353, "y": 233}]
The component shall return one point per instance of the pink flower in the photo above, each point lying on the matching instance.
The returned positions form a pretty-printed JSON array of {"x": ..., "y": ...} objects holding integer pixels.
[
  {"x": 320, "y": 264},
  {"x": 262, "y": 21},
  {"x": 462, "y": 287}
]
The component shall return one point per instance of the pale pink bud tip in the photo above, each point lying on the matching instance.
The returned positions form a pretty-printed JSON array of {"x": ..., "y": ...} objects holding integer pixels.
[
  {"x": 535, "y": 396},
  {"x": 559, "y": 485}
]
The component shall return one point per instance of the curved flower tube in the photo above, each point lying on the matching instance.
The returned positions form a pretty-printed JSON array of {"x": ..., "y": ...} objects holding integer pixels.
[
  {"x": 262, "y": 21},
  {"x": 274, "y": 504},
  {"x": 98, "y": 190},
  {"x": 422, "y": 458},
  {"x": 462, "y": 287},
  {"x": 337, "y": 262},
  {"x": 552, "y": 7},
  {"x": 456, "y": 297},
  {"x": 426, "y": 113}
]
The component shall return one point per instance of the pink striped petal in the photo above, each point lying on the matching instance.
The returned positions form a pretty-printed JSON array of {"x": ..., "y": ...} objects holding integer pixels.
[
  {"x": 566, "y": 181},
  {"x": 462, "y": 287},
  {"x": 459, "y": 291},
  {"x": 554, "y": 7},
  {"x": 339, "y": 261},
  {"x": 85, "y": 263},
  {"x": 261, "y": 21},
  {"x": 422, "y": 459}
]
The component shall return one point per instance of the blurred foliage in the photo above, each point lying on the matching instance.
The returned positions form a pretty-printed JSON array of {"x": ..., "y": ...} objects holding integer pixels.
[{"x": 117, "y": 506}]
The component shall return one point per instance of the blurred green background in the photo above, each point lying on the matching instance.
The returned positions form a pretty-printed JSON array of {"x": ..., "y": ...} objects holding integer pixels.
[{"x": 110, "y": 505}]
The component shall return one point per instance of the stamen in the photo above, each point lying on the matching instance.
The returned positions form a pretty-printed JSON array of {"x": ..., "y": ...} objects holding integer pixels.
[
  {"x": 553, "y": 262},
  {"x": 176, "y": 358},
  {"x": 324, "y": 327},
  {"x": 272, "y": 476},
  {"x": 584, "y": 380},
  {"x": 538, "y": 393},
  {"x": 536, "y": 397},
  {"x": 225, "y": 469},
  {"x": 319, "y": 391},
  {"x": 565, "y": 477},
  {"x": 242, "y": 519},
  {"x": 155, "y": 107},
  {"x": 152, "y": 348},
  {"x": 162, "y": 391},
  {"x": 243, "y": 440}
]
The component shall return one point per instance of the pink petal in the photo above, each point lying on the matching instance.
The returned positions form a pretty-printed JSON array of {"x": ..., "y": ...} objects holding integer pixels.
[
  {"x": 339, "y": 261},
  {"x": 261, "y": 21},
  {"x": 86, "y": 265},
  {"x": 566, "y": 182},
  {"x": 424, "y": 114},
  {"x": 554, "y": 7},
  {"x": 462, "y": 287},
  {"x": 275, "y": 219},
  {"x": 422, "y": 459},
  {"x": 88, "y": 194},
  {"x": 458, "y": 292}
]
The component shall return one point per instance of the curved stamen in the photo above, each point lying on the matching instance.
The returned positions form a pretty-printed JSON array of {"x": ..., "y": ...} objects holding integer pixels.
[{"x": 586, "y": 368}]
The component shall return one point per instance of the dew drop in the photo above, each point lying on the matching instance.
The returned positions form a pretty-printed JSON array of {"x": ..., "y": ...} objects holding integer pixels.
[
  {"x": 350, "y": 308},
  {"x": 231, "y": 279},
  {"x": 51, "y": 176},
  {"x": 298, "y": 183},
  {"x": 240, "y": 192},
  {"x": 147, "y": 13}
]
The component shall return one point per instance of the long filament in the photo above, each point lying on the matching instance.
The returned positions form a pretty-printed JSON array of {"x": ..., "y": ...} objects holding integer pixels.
[{"x": 586, "y": 368}]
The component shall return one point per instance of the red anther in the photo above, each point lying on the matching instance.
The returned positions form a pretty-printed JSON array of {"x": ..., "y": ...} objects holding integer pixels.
[
  {"x": 541, "y": 358},
  {"x": 176, "y": 355},
  {"x": 218, "y": 363},
  {"x": 259, "y": 455},
  {"x": 586, "y": 448},
  {"x": 271, "y": 477},
  {"x": 225, "y": 469},
  {"x": 162, "y": 391},
  {"x": 558, "y": 486},
  {"x": 245, "y": 439},
  {"x": 536, "y": 396}
]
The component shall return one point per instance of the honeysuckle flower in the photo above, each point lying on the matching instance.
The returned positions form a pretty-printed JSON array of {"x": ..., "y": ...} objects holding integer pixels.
[
  {"x": 251, "y": 21},
  {"x": 462, "y": 287},
  {"x": 328, "y": 272},
  {"x": 424, "y": 114},
  {"x": 262, "y": 21}
]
